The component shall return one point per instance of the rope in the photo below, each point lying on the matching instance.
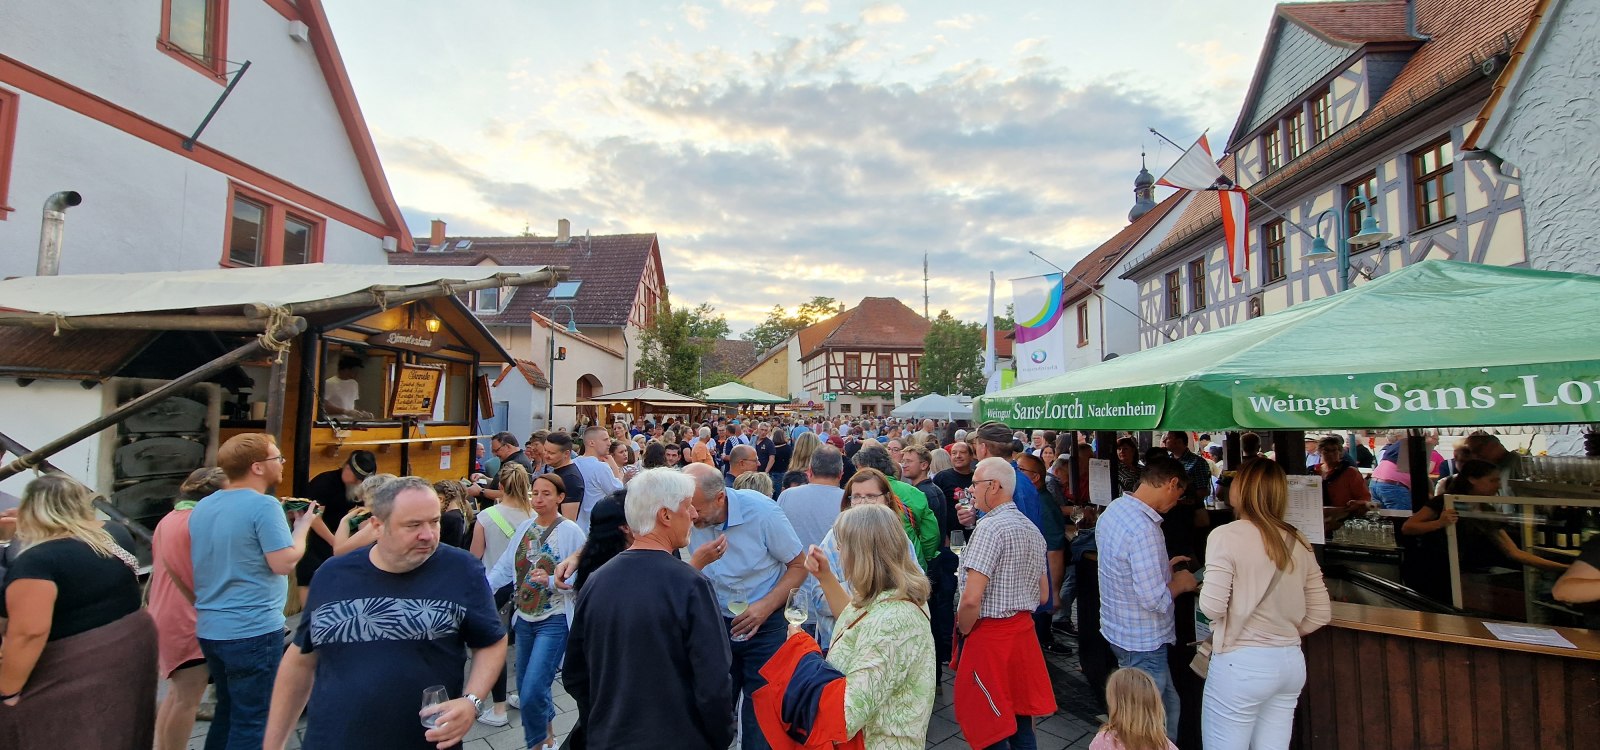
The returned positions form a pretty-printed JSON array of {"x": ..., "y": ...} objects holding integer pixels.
[
  {"x": 62, "y": 324},
  {"x": 382, "y": 297},
  {"x": 278, "y": 320}
]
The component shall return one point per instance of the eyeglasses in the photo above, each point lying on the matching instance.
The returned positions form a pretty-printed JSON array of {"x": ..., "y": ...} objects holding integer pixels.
[
  {"x": 977, "y": 482},
  {"x": 867, "y": 498},
  {"x": 280, "y": 458}
]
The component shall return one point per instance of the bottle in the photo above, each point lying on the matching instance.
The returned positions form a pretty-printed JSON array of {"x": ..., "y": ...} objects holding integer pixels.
[{"x": 1591, "y": 526}]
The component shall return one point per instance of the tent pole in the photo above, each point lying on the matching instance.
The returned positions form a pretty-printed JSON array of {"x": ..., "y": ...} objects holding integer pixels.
[
  {"x": 1289, "y": 448},
  {"x": 104, "y": 506}
]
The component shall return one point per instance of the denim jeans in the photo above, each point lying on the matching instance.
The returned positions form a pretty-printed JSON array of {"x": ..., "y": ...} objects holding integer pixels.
[
  {"x": 540, "y": 646},
  {"x": 1154, "y": 663},
  {"x": 243, "y": 671},
  {"x": 748, "y": 659},
  {"x": 1250, "y": 698},
  {"x": 1391, "y": 496},
  {"x": 1024, "y": 739}
]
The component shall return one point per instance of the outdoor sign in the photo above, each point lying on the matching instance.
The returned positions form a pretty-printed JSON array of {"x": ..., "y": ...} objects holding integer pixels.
[
  {"x": 444, "y": 457},
  {"x": 411, "y": 340},
  {"x": 1134, "y": 408},
  {"x": 1305, "y": 506},
  {"x": 1100, "y": 481},
  {"x": 830, "y": 397},
  {"x": 416, "y": 390},
  {"x": 1555, "y": 393},
  {"x": 1041, "y": 346}
]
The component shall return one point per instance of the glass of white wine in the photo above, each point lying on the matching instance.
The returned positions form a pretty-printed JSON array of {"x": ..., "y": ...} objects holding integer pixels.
[
  {"x": 737, "y": 605},
  {"x": 795, "y": 610},
  {"x": 958, "y": 542}
]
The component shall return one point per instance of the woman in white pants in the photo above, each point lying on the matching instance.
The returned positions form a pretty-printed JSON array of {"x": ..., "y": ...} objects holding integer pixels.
[{"x": 1263, "y": 592}]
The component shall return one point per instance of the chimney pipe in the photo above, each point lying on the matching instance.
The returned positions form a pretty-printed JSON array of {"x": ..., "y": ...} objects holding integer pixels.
[
  {"x": 1411, "y": 22},
  {"x": 436, "y": 238},
  {"x": 55, "y": 220},
  {"x": 563, "y": 232}
]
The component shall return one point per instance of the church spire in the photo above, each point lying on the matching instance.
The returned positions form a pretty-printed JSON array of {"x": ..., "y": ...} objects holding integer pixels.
[{"x": 1144, "y": 192}]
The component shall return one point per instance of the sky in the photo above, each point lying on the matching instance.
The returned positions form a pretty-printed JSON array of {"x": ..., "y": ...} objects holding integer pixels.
[{"x": 783, "y": 149}]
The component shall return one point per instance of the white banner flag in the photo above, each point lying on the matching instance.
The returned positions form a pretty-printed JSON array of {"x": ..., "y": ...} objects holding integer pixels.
[
  {"x": 1041, "y": 347},
  {"x": 1195, "y": 170}
]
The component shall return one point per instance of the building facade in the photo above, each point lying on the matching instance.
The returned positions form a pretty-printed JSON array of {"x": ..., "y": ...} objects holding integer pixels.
[
  {"x": 865, "y": 357},
  {"x": 106, "y": 100},
  {"x": 1374, "y": 103}
]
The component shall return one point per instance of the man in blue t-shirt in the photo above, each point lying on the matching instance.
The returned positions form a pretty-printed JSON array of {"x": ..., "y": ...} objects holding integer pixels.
[
  {"x": 242, "y": 547},
  {"x": 382, "y": 624}
]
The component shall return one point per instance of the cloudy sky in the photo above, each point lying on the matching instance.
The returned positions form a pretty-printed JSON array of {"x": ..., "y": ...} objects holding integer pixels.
[{"x": 789, "y": 148}]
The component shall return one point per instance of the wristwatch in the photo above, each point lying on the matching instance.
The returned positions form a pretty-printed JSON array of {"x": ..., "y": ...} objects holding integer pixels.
[{"x": 477, "y": 703}]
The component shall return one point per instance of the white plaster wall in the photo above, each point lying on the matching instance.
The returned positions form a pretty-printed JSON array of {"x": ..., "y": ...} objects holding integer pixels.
[
  {"x": 582, "y": 359},
  {"x": 144, "y": 208},
  {"x": 1112, "y": 328},
  {"x": 280, "y": 118},
  {"x": 41, "y": 412},
  {"x": 1553, "y": 136}
]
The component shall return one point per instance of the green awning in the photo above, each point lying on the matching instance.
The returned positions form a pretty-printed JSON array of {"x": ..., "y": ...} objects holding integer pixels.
[
  {"x": 736, "y": 393},
  {"x": 1435, "y": 344}
]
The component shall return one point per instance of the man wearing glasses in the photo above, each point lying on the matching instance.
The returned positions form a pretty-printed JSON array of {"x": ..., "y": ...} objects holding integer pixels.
[
  {"x": 241, "y": 547},
  {"x": 741, "y": 461}
]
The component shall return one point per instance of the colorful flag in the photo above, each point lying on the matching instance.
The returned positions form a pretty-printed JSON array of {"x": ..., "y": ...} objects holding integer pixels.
[
  {"x": 1041, "y": 347},
  {"x": 1235, "y": 231},
  {"x": 1195, "y": 170}
]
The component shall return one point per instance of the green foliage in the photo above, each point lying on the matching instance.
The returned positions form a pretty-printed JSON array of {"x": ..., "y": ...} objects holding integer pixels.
[
  {"x": 673, "y": 346},
  {"x": 779, "y": 325},
  {"x": 952, "y": 357}
]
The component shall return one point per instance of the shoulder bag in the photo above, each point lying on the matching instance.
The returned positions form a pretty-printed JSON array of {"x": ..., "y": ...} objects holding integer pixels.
[{"x": 1201, "y": 664}]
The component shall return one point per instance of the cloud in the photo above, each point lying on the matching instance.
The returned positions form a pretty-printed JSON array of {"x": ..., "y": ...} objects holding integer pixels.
[
  {"x": 1028, "y": 45},
  {"x": 815, "y": 6},
  {"x": 962, "y": 22},
  {"x": 695, "y": 15},
  {"x": 751, "y": 7},
  {"x": 883, "y": 13}
]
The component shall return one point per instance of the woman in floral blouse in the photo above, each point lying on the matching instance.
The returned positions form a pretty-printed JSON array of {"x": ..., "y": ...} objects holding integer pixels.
[{"x": 881, "y": 641}]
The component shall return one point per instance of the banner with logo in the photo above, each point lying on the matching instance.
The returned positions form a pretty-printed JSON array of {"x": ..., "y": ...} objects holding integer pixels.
[
  {"x": 1133, "y": 408},
  {"x": 1041, "y": 346}
]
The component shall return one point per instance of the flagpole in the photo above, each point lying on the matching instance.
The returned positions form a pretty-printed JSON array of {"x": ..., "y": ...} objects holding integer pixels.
[
  {"x": 1253, "y": 196},
  {"x": 988, "y": 352}
]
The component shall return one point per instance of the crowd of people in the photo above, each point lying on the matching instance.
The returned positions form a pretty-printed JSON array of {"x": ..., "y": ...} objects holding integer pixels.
[{"x": 782, "y": 583}]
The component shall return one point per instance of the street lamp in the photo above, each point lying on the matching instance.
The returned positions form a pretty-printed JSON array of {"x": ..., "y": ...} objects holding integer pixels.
[
  {"x": 550, "y": 392},
  {"x": 1370, "y": 232}
]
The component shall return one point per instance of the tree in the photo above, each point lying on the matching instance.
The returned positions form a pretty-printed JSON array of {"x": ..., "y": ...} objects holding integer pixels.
[
  {"x": 952, "y": 357},
  {"x": 673, "y": 346},
  {"x": 780, "y": 325}
]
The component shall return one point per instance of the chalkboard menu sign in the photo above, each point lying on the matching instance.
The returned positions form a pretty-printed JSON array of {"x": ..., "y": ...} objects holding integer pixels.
[{"x": 416, "y": 391}]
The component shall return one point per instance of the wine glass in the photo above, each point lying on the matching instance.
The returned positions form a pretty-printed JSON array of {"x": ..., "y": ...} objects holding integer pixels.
[
  {"x": 737, "y": 605},
  {"x": 795, "y": 609},
  {"x": 958, "y": 541},
  {"x": 433, "y": 696}
]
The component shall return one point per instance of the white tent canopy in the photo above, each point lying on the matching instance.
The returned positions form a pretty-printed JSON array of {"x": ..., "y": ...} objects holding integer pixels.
[
  {"x": 275, "y": 286},
  {"x": 932, "y": 406}
]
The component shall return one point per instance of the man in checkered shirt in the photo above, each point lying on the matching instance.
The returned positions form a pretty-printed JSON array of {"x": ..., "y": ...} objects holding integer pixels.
[
  {"x": 1137, "y": 582},
  {"x": 1001, "y": 680}
]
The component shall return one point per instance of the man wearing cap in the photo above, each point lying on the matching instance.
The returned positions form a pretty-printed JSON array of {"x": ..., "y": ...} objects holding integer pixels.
[{"x": 335, "y": 491}]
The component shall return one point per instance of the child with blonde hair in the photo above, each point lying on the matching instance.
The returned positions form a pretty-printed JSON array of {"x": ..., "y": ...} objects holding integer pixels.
[{"x": 1135, "y": 717}]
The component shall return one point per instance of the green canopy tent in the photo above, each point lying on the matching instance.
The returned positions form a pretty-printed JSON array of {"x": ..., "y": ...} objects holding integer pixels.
[
  {"x": 737, "y": 393},
  {"x": 1435, "y": 344}
]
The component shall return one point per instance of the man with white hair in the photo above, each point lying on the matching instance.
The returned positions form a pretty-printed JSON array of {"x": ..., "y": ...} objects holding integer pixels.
[
  {"x": 1001, "y": 680},
  {"x": 648, "y": 658}
]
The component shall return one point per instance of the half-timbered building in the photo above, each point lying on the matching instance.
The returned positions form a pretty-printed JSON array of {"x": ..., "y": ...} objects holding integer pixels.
[{"x": 865, "y": 356}]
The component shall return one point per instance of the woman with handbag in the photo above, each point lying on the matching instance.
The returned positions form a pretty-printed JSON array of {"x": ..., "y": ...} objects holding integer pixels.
[
  {"x": 78, "y": 664},
  {"x": 491, "y": 535},
  {"x": 1263, "y": 591}
]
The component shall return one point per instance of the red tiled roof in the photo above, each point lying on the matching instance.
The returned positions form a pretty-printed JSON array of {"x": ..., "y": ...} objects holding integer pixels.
[
  {"x": 548, "y": 323},
  {"x": 813, "y": 335},
  {"x": 1465, "y": 32},
  {"x": 1351, "y": 23},
  {"x": 530, "y": 372},
  {"x": 611, "y": 270},
  {"x": 1092, "y": 269},
  {"x": 71, "y": 355},
  {"x": 1005, "y": 343},
  {"x": 877, "y": 323},
  {"x": 732, "y": 356}
]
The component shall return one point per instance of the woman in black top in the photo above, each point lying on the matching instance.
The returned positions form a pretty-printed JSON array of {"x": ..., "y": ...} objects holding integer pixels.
[
  {"x": 76, "y": 635},
  {"x": 455, "y": 520},
  {"x": 782, "y": 450}
]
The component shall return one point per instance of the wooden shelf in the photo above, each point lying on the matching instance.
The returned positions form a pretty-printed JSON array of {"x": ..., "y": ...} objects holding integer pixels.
[
  {"x": 404, "y": 441},
  {"x": 1454, "y": 629}
]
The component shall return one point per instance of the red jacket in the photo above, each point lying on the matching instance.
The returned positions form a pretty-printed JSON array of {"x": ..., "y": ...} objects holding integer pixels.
[
  {"x": 827, "y": 730},
  {"x": 1000, "y": 675}
]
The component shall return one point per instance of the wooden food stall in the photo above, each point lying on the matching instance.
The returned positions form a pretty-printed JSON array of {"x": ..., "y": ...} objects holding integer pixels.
[{"x": 172, "y": 364}]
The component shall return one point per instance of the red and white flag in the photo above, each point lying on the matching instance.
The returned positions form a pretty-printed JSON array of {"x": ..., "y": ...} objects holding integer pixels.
[
  {"x": 1195, "y": 170},
  {"x": 1235, "y": 231}
]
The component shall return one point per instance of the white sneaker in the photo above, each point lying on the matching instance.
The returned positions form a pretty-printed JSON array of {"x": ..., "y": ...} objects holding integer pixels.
[
  {"x": 492, "y": 719},
  {"x": 516, "y": 701}
]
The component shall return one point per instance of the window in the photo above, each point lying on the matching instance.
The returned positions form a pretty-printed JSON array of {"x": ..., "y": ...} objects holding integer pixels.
[
  {"x": 1355, "y": 213},
  {"x": 1321, "y": 116},
  {"x": 1296, "y": 126},
  {"x": 486, "y": 300},
  {"x": 852, "y": 367},
  {"x": 885, "y": 368},
  {"x": 8, "y": 137},
  {"x": 916, "y": 369},
  {"x": 1174, "y": 295},
  {"x": 565, "y": 290},
  {"x": 195, "y": 32},
  {"x": 1271, "y": 151},
  {"x": 1083, "y": 324},
  {"x": 844, "y": 408},
  {"x": 264, "y": 232},
  {"x": 1272, "y": 241},
  {"x": 1433, "y": 190},
  {"x": 1197, "y": 284}
]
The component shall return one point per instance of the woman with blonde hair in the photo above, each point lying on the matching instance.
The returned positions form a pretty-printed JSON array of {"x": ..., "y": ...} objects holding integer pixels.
[
  {"x": 358, "y": 531},
  {"x": 455, "y": 513},
  {"x": 76, "y": 636},
  {"x": 1263, "y": 592},
  {"x": 882, "y": 648},
  {"x": 938, "y": 460},
  {"x": 1135, "y": 718},
  {"x": 805, "y": 447},
  {"x": 497, "y": 525},
  {"x": 172, "y": 608},
  {"x": 759, "y": 481}
]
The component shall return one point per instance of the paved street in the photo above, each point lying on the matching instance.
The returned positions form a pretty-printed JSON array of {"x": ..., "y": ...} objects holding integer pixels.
[{"x": 1071, "y": 727}]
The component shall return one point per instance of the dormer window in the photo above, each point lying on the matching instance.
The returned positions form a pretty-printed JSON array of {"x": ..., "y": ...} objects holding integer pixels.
[
  {"x": 1296, "y": 125},
  {"x": 487, "y": 300},
  {"x": 1271, "y": 151},
  {"x": 1321, "y": 116}
]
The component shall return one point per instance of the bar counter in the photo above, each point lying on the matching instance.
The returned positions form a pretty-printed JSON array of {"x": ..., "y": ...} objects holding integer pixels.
[{"x": 1390, "y": 678}]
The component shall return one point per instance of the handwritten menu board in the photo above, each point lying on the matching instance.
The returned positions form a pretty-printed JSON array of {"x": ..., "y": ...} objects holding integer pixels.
[
  {"x": 1305, "y": 506},
  {"x": 416, "y": 390}
]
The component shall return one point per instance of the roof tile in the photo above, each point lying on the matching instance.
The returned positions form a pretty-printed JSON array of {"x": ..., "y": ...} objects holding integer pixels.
[
  {"x": 879, "y": 323},
  {"x": 1087, "y": 273},
  {"x": 1351, "y": 23}
]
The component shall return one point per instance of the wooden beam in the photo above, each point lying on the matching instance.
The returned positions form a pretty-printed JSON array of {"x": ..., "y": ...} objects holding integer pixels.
[{"x": 230, "y": 323}]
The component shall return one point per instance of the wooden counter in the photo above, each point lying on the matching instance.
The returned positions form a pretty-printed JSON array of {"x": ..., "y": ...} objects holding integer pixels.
[{"x": 1389, "y": 678}]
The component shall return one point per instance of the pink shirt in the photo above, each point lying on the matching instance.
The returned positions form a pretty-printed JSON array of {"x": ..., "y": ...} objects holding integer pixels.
[
  {"x": 1105, "y": 741},
  {"x": 169, "y": 605}
]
